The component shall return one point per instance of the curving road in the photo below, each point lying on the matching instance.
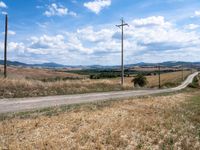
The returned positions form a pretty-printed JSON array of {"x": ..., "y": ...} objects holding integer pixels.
[{"x": 25, "y": 104}]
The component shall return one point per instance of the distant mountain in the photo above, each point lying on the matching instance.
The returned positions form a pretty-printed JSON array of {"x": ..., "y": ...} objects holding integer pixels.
[
  {"x": 141, "y": 64},
  {"x": 49, "y": 65},
  {"x": 14, "y": 63},
  {"x": 44, "y": 65}
]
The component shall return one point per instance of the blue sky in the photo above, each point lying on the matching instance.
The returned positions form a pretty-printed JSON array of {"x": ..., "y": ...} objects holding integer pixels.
[{"x": 83, "y": 32}]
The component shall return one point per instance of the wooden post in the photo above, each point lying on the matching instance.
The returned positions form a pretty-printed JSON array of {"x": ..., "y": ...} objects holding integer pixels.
[
  {"x": 182, "y": 73},
  {"x": 5, "y": 46},
  {"x": 159, "y": 78},
  {"x": 122, "y": 56}
]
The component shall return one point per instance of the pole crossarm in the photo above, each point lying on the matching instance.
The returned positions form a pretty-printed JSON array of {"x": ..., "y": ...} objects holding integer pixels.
[{"x": 124, "y": 24}]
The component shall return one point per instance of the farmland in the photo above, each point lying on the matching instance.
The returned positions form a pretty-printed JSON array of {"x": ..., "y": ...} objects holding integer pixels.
[{"x": 31, "y": 82}]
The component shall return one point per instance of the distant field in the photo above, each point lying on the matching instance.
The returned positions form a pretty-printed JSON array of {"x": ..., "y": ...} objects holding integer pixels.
[
  {"x": 150, "y": 69},
  {"x": 155, "y": 122},
  {"x": 12, "y": 87},
  {"x": 173, "y": 78},
  {"x": 33, "y": 73}
]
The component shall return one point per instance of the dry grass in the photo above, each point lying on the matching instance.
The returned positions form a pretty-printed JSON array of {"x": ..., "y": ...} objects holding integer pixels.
[
  {"x": 147, "y": 123},
  {"x": 35, "y": 73},
  {"x": 10, "y": 88},
  {"x": 172, "y": 77},
  {"x": 23, "y": 88}
]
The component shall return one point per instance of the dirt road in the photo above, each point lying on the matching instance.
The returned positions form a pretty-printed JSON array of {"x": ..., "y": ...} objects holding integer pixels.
[{"x": 24, "y": 104}]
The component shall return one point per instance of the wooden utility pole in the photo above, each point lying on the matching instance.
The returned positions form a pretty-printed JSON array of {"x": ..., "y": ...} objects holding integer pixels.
[
  {"x": 159, "y": 78},
  {"x": 5, "y": 46},
  {"x": 182, "y": 73},
  {"x": 121, "y": 26}
]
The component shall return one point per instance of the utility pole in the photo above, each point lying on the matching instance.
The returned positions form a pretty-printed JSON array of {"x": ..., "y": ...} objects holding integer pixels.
[
  {"x": 159, "y": 78},
  {"x": 5, "y": 46},
  {"x": 191, "y": 68},
  {"x": 121, "y": 26},
  {"x": 182, "y": 73}
]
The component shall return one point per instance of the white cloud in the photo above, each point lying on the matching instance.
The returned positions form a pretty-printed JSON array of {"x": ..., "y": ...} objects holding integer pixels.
[
  {"x": 58, "y": 10},
  {"x": 2, "y": 5},
  {"x": 151, "y": 21},
  {"x": 197, "y": 13},
  {"x": 4, "y": 13},
  {"x": 97, "y": 5},
  {"x": 191, "y": 27},
  {"x": 10, "y": 32},
  {"x": 150, "y": 39},
  {"x": 42, "y": 25},
  {"x": 45, "y": 42}
]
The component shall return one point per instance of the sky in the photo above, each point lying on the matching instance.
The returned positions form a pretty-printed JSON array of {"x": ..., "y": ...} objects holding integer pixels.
[{"x": 84, "y": 32}]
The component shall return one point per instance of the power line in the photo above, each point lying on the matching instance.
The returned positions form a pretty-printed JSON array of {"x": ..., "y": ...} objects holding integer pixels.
[{"x": 121, "y": 26}]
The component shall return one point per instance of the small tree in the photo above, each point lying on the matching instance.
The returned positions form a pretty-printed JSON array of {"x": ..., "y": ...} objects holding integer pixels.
[{"x": 140, "y": 80}]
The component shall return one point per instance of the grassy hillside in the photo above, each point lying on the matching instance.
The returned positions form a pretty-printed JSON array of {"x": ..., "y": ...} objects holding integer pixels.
[{"x": 37, "y": 74}]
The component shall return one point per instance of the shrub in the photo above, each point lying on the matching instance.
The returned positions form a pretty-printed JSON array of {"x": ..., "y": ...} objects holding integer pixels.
[
  {"x": 140, "y": 80},
  {"x": 195, "y": 83}
]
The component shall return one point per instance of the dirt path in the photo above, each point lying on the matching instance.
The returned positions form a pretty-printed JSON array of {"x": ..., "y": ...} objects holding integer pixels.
[{"x": 24, "y": 104}]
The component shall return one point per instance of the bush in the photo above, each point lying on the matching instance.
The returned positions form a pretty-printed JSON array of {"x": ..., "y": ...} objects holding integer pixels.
[
  {"x": 195, "y": 83},
  {"x": 140, "y": 80}
]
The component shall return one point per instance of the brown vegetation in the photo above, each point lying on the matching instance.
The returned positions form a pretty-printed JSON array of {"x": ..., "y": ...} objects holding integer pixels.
[
  {"x": 29, "y": 88},
  {"x": 173, "y": 77},
  {"x": 162, "y": 122},
  {"x": 36, "y": 73}
]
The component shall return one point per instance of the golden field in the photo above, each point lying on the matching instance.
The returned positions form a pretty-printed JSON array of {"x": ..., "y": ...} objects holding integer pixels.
[
  {"x": 154, "y": 122},
  {"x": 36, "y": 73},
  {"x": 172, "y": 77},
  {"x": 12, "y": 87}
]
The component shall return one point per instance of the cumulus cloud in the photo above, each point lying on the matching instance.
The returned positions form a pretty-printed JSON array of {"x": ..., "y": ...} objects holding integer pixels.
[
  {"x": 147, "y": 39},
  {"x": 151, "y": 21},
  {"x": 197, "y": 13},
  {"x": 2, "y": 5},
  {"x": 58, "y": 10},
  {"x": 97, "y": 5},
  {"x": 191, "y": 26}
]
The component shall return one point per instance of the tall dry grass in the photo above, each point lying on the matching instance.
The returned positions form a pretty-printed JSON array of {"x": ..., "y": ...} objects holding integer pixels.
[
  {"x": 23, "y": 88},
  {"x": 10, "y": 88}
]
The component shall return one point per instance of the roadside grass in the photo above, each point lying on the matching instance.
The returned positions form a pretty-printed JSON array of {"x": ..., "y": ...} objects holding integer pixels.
[
  {"x": 150, "y": 122},
  {"x": 18, "y": 88},
  {"x": 193, "y": 112},
  {"x": 57, "y": 110}
]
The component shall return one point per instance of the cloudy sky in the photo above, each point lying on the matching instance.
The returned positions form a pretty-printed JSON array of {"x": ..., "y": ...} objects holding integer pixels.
[{"x": 83, "y": 32}]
